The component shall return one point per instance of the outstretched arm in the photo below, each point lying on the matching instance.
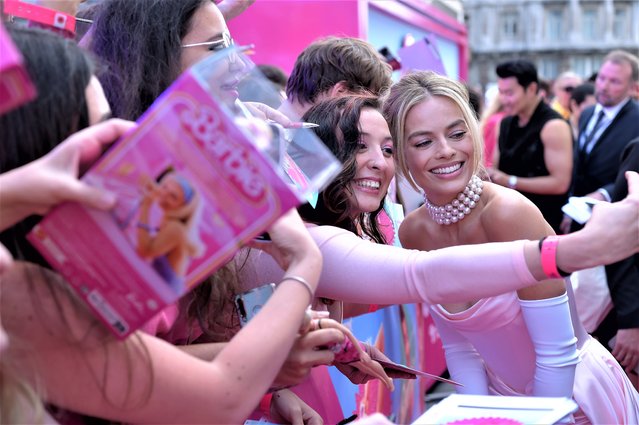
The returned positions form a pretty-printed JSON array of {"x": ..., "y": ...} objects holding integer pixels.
[{"x": 359, "y": 271}]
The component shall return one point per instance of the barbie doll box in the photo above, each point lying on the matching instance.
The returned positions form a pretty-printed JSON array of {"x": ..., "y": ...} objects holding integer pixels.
[
  {"x": 194, "y": 184},
  {"x": 16, "y": 87}
]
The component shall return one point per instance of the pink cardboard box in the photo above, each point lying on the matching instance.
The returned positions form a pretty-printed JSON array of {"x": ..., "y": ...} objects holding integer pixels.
[
  {"x": 125, "y": 263},
  {"x": 16, "y": 87}
]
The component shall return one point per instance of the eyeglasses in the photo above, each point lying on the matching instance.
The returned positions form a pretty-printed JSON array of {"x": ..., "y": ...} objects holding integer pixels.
[{"x": 216, "y": 45}]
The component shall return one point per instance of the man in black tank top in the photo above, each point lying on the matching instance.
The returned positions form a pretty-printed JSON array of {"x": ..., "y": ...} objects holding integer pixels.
[{"x": 535, "y": 143}]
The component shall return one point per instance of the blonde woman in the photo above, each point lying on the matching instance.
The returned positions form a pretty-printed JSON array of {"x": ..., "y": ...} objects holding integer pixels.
[{"x": 524, "y": 342}]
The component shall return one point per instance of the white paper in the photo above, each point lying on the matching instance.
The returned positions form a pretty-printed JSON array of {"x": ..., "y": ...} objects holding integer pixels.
[
  {"x": 527, "y": 410},
  {"x": 579, "y": 208}
]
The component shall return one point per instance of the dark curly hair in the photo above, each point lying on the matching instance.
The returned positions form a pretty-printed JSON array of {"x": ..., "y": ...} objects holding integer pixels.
[{"x": 339, "y": 130}]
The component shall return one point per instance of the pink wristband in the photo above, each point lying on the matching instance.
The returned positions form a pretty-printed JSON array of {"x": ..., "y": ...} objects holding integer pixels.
[{"x": 549, "y": 257}]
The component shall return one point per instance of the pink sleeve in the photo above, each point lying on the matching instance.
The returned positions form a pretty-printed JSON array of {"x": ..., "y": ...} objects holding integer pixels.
[{"x": 359, "y": 271}]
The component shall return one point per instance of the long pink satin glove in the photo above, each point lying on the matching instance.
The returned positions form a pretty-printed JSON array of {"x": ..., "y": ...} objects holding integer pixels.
[
  {"x": 355, "y": 270},
  {"x": 359, "y": 271}
]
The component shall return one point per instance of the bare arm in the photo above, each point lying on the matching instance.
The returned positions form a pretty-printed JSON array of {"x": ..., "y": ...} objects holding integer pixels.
[
  {"x": 205, "y": 351},
  {"x": 557, "y": 140},
  {"x": 358, "y": 271},
  {"x": 490, "y": 269},
  {"x": 309, "y": 350},
  {"x": 143, "y": 379}
]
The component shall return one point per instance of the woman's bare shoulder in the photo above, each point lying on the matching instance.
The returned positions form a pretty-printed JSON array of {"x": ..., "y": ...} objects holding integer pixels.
[
  {"x": 508, "y": 215},
  {"x": 412, "y": 229}
]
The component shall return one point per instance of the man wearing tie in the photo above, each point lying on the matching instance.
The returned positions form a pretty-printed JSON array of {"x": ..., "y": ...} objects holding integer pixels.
[{"x": 606, "y": 128}]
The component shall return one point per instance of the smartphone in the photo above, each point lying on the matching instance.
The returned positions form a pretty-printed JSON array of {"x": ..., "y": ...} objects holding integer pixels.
[{"x": 249, "y": 303}]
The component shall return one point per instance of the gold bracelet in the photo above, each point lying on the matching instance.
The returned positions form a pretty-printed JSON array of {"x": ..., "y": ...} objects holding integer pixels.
[{"x": 303, "y": 282}]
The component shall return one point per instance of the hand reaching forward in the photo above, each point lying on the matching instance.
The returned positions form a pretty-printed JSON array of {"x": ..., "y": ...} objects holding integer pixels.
[
  {"x": 309, "y": 350},
  {"x": 613, "y": 229},
  {"x": 287, "y": 408},
  {"x": 357, "y": 376},
  {"x": 38, "y": 186},
  {"x": 626, "y": 349}
]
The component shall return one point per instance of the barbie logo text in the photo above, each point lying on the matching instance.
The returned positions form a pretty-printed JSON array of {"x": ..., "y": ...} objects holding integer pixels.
[{"x": 203, "y": 125}]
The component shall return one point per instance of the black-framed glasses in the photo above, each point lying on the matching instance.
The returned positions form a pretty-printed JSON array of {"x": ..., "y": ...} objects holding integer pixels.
[{"x": 215, "y": 45}]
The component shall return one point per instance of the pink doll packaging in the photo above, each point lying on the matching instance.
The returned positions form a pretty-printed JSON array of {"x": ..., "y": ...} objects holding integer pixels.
[
  {"x": 193, "y": 186},
  {"x": 16, "y": 87}
]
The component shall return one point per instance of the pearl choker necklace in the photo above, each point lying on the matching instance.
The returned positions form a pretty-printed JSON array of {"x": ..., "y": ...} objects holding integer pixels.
[{"x": 460, "y": 207}]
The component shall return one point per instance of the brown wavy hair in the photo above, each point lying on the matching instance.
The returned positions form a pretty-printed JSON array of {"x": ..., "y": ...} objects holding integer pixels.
[{"x": 339, "y": 130}]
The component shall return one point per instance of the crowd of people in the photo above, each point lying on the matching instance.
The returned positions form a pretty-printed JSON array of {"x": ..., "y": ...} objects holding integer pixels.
[{"x": 485, "y": 259}]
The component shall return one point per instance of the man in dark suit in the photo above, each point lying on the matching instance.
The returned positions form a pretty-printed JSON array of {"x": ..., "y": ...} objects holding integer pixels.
[
  {"x": 623, "y": 281},
  {"x": 606, "y": 128}
]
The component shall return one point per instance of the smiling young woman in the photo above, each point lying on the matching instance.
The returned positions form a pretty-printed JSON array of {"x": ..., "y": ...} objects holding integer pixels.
[{"x": 543, "y": 350}]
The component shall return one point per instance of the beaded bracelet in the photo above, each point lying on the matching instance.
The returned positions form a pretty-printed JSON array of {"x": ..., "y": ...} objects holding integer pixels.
[
  {"x": 548, "y": 251},
  {"x": 303, "y": 282}
]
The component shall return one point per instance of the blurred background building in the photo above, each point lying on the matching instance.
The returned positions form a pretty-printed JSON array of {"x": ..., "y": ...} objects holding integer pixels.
[{"x": 557, "y": 35}]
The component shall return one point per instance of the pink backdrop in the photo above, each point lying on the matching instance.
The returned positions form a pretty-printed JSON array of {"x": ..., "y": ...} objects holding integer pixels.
[{"x": 281, "y": 29}]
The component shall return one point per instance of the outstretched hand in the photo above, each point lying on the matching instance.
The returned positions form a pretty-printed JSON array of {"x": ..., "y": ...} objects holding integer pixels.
[
  {"x": 616, "y": 225},
  {"x": 309, "y": 350},
  {"x": 287, "y": 408},
  {"x": 38, "y": 186},
  {"x": 357, "y": 376},
  {"x": 626, "y": 349}
]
